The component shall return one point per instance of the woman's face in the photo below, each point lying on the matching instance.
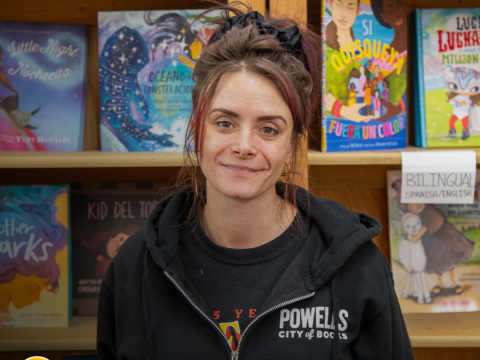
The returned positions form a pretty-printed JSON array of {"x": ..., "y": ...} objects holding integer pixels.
[
  {"x": 362, "y": 70},
  {"x": 115, "y": 243},
  {"x": 26, "y": 290},
  {"x": 344, "y": 13},
  {"x": 394, "y": 12},
  {"x": 248, "y": 136}
]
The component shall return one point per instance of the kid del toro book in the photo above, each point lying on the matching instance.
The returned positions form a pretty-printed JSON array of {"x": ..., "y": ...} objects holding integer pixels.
[
  {"x": 448, "y": 76},
  {"x": 365, "y": 75}
]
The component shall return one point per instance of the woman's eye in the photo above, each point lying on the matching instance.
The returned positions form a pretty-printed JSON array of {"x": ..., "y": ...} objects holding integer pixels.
[
  {"x": 225, "y": 124},
  {"x": 269, "y": 130}
]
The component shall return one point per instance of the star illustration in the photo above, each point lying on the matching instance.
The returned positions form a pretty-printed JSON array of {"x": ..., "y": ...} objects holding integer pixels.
[
  {"x": 174, "y": 63},
  {"x": 141, "y": 103},
  {"x": 182, "y": 43},
  {"x": 137, "y": 92},
  {"x": 122, "y": 58},
  {"x": 114, "y": 47},
  {"x": 121, "y": 36},
  {"x": 183, "y": 31},
  {"x": 106, "y": 53},
  {"x": 134, "y": 49},
  {"x": 164, "y": 44},
  {"x": 124, "y": 72},
  {"x": 139, "y": 61},
  {"x": 112, "y": 65},
  {"x": 131, "y": 38}
]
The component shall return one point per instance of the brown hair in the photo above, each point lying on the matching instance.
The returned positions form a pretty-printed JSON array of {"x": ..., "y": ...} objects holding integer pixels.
[{"x": 246, "y": 50}]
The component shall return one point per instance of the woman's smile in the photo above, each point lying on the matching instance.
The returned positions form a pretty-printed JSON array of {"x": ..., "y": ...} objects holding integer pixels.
[{"x": 240, "y": 170}]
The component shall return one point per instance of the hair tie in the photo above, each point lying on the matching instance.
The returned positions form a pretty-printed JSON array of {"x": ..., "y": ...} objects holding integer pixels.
[{"x": 289, "y": 39}]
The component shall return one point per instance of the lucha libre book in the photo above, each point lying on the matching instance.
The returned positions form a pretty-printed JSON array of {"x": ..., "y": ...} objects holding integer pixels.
[
  {"x": 104, "y": 215},
  {"x": 435, "y": 252},
  {"x": 42, "y": 86},
  {"x": 146, "y": 64},
  {"x": 364, "y": 75},
  {"x": 34, "y": 256},
  {"x": 447, "y": 112}
]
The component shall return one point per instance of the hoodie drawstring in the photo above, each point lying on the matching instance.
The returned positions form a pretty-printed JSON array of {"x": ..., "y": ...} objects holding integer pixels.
[{"x": 335, "y": 310}]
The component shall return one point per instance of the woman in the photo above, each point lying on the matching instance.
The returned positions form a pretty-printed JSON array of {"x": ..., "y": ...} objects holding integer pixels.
[
  {"x": 236, "y": 264},
  {"x": 339, "y": 31}
]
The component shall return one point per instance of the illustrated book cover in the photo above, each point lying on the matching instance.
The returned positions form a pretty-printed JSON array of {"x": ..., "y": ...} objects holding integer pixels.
[
  {"x": 34, "y": 256},
  {"x": 104, "y": 216},
  {"x": 364, "y": 75},
  {"x": 42, "y": 86},
  {"x": 447, "y": 72},
  {"x": 146, "y": 65},
  {"x": 435, "y": 252}
]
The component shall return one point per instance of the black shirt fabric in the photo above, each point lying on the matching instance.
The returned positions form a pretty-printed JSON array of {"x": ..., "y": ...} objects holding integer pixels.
[{"x": 235, "y": 283}]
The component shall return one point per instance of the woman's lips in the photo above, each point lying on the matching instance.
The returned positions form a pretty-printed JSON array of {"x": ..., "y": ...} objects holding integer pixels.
[
  {"x": 240, "y": 170},
  {"x": 399, "y": 21}
]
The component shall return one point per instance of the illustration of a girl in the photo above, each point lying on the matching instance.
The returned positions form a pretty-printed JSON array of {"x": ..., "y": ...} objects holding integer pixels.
[
  {"x": 368, "y": 98},
  {"x": 392, "y": 15},
  {"x": 376, "y": 103},
  {"x": 385, "y": 92},
  {"x": 22, "y": 281},
  {"x": 445, "y": 247},
  {"x": 339, "y": 30},
  {"x": 352, "y": 95},
  {"x": 104, "y": 245}
]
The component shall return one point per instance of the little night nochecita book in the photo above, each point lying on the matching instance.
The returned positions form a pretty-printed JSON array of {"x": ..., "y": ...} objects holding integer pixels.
[
  {"x": 42, "y": 86},
  {"x": 435, "y": 252},
  {"x": 146, "y": 64},
  {"x": 34, "y": 256},
  {"x": 447, "y": 112},
  {"x": 364, "y": 75}
]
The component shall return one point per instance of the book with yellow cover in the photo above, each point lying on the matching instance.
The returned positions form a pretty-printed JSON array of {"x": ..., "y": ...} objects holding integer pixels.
[{"x": 34, "y": 256}]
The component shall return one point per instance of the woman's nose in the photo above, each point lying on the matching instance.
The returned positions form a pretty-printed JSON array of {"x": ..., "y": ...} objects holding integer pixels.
[{"x": 244, "y": 145}]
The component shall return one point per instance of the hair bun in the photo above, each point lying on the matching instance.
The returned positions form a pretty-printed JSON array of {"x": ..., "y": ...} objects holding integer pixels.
[{"x": 290, "y": 39}]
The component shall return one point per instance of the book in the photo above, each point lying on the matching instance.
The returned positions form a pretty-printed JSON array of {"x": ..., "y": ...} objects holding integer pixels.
[
  {"x": 447, "y": 43},
  {"x": 42, "y": 86},
  {"x": 435, "y": 252},
  {"x": 34, "y": 256},
  {"x": 104, "y": 216},
  {"x": 364, "y": 75},
  {"x": 146, "y": 65}
]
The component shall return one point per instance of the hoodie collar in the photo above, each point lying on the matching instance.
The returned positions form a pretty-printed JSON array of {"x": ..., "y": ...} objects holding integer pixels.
[{"x": 334, "y": 234}]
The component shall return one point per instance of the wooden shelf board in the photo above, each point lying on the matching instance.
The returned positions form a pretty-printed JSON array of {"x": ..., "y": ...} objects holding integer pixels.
[
  {"x": 99, "y": 159},
  {"x": 425, "y": 330},
  {"x": 387, "y": 157},
  {"x": 80, "y": 335},
  {"x": 88, "y": 159}
]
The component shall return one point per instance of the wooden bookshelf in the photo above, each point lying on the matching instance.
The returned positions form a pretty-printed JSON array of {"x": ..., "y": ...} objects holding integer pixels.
[
  {"x": 425, "y": 330},
  {"x": 98, "y": 159}
]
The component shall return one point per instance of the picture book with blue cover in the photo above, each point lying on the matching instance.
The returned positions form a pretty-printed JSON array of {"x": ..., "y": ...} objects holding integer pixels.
[
  {"x": 447, "y": 45},
  {"x": 364, "y": 75},
  {"x": 146, "y": 65},
  {"x": 34, "y": 256},
  {"x": 42, "y": 86}
]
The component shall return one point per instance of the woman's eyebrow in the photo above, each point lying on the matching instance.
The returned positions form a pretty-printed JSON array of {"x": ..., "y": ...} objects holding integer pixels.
[
  {"x": 225, "y": 111},
  {"x": 272, "y": 117}
]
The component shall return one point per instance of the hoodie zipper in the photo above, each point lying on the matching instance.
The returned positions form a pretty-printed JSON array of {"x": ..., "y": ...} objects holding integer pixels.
[{"x": 234, "y": 354}]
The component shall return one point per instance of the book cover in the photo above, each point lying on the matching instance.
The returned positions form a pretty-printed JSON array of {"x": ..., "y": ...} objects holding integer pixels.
[
  {"x": 365, "y": 75},
  {"x": 104, "y": 216},
  {"x": 435, "y": 252},
  {"x": 449, "y": 43},
  {"x": 146, "y": 65},
  {"x": 42, "y": 86},
  {"x": 34, "y": 256}
]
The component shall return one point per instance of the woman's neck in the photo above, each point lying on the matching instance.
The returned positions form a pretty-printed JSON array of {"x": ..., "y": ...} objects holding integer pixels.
[
  {"x": 344, "y": 37},
  {"x": 243, "y": 224}
]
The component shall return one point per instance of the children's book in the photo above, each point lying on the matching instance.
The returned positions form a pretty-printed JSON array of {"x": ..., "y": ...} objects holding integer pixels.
[
  {"x": 42, "y": 86},
  {"x": 146, "y": 65},
  {"x": 364, "y": 75},
  {"x": 447, "y": 74},
  {"x": 104, "y": 216},
  {"x": 34, "y": 256},
  {"x": 435, "y": 252}
]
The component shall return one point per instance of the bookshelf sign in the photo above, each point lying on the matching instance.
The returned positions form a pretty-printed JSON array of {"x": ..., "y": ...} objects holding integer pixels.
[{"x": 438, "y": 177}]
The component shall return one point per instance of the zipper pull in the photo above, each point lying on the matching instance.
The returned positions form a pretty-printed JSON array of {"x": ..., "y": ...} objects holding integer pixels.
[{"x": 234, "y": 355}]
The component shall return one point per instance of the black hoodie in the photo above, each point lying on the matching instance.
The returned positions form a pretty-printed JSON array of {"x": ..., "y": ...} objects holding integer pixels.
[{"x": 335, "y": 301}]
